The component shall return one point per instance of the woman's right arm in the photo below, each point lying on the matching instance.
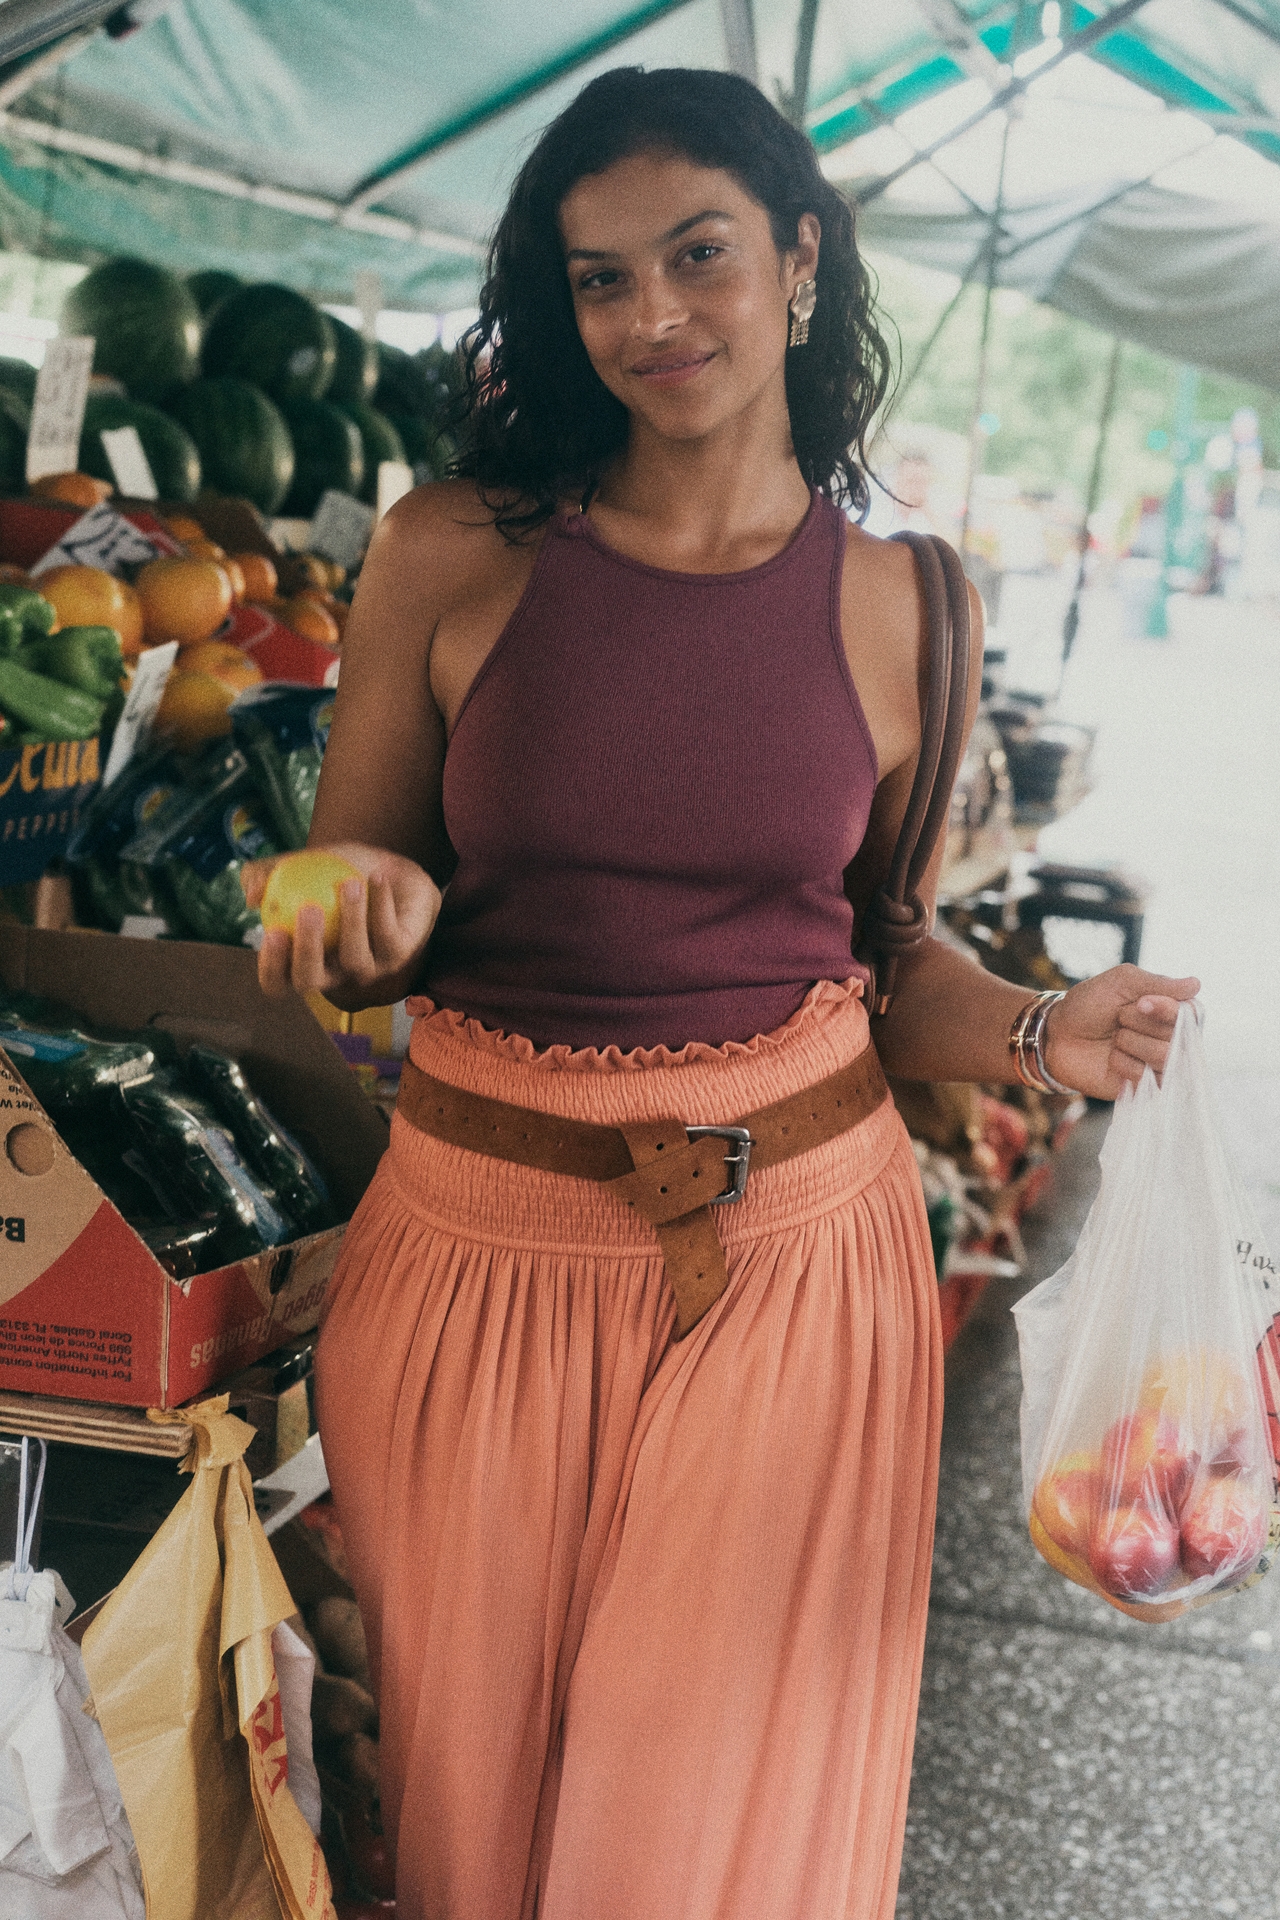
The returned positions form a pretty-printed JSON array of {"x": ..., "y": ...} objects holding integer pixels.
[{"x": 379, "y": 802}]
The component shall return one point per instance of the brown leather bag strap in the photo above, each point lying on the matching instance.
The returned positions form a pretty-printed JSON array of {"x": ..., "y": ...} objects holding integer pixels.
[{"x": 895, "y": 919}]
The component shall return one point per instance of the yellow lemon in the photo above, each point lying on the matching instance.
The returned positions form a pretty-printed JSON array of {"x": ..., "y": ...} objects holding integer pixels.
[{"x": 306, "y": 880}]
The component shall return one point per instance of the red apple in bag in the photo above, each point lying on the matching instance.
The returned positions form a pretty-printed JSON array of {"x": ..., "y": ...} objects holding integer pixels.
[
  {"x": 1133, "y": 1554},
  {"x": 1224, "y": 1527},
  {"x": 1144, "y": 1462}
]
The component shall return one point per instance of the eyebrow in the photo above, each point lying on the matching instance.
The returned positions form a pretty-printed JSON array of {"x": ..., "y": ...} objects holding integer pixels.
[{"x": 674, "y": 233}]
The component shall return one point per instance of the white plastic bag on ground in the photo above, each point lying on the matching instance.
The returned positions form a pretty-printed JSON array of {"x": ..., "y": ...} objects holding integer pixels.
[
  {"x": 66, "y": 1850},
  {"x": 1148, "y": 1468}
]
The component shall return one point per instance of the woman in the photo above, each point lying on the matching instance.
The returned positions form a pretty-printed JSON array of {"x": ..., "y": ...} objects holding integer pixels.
[{"x": 645, "y": 1574}]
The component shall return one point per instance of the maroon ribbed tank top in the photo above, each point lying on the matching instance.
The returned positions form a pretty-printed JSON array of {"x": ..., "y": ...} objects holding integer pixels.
[{"x": 653, "y": 788}]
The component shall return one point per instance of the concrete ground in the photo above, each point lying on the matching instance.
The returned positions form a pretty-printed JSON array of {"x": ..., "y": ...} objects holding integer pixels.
[{"x": 1072, "y": 1764}]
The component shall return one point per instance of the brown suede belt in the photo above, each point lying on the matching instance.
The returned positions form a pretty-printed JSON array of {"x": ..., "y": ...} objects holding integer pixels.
[{"x": 671, "y": 1172}]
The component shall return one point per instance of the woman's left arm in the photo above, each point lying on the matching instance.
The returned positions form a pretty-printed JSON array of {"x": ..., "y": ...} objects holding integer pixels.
[{"x": 950, "y": 1018}]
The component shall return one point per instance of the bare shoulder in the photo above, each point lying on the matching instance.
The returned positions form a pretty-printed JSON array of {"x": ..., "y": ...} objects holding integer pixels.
[{"x": 441, "y": 537}]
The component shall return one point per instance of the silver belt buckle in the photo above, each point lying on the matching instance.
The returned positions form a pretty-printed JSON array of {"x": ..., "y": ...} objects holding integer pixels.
[{"x": 737, "y": 1163}]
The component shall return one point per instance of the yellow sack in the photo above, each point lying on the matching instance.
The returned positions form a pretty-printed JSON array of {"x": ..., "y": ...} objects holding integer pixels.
[{"x": 184, "y": 1688}]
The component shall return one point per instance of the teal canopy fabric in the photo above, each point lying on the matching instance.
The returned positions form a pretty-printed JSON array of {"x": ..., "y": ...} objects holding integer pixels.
[{"x": 306, "y": 140}]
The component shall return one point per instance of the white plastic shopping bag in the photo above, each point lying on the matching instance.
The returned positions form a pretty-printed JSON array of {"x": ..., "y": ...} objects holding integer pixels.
[
  {"x": 1148, "y": 1366},
  {"x": 66, "y": 1850}
]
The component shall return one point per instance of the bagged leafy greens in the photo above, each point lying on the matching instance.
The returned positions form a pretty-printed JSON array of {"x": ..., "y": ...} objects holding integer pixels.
[
  {"x": 282, "y": 731},
  {"x": 197, "y": 846}
]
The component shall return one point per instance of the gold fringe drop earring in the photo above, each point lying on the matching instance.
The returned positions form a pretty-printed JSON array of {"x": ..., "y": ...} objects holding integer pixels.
[{"x": 803, "y": 302}]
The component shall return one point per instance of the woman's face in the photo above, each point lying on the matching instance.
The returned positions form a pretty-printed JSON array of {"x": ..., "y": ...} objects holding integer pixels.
[{"x": 680, "y": 293}]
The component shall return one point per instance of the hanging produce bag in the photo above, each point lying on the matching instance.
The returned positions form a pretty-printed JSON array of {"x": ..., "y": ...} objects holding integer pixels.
[
  {"x": 66, "y": 1852},
  {"x": 184, "y": 1682},
  {"x": 1148, "y": 1366}
]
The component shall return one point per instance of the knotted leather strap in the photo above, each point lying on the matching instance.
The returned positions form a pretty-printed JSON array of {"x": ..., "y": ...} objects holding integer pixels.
[
  {"x": 650, "y": 1165},
  {"x": 895, "y": 919}
]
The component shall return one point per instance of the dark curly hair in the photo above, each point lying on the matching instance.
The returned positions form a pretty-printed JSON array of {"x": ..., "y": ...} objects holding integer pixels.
[{"x": 537, "y": 421}]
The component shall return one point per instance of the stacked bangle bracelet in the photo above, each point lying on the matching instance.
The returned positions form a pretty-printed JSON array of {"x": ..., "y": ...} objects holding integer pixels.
[{"x": 1026, "y": 1044}]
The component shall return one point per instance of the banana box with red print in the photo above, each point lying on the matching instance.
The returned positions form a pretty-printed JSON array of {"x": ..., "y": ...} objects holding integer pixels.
[{"x": 86, "y": 1311}]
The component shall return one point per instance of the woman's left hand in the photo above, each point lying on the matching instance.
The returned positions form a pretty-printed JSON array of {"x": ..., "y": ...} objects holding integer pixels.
[{"x": 1109, "y": 1029}]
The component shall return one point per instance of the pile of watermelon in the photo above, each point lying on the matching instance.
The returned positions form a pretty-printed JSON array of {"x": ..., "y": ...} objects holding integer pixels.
[{"x": 250, "y": 391}]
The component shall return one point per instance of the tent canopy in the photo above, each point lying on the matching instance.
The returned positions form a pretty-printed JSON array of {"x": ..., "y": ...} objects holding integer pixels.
[{"x": 307, "y": 140}]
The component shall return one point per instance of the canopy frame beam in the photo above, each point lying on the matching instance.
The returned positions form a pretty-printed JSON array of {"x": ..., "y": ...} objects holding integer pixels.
[
  {"x": 384, "y": 178},
  {"x": 307, "y": 206},
  {"x": 738, "y": 23},
  {"x": 1079, "y": 42}
]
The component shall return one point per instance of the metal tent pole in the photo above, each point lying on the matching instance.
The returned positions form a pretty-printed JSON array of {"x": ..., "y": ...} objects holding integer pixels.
[
  {"x": 1071, "y": 623},
  {"x": 980, "y": 385}
]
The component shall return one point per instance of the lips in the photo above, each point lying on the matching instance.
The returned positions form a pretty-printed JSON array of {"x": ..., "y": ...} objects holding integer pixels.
[{"x": 670, "y": 369}]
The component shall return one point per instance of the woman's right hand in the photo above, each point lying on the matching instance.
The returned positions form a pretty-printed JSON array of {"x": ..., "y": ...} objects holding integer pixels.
[{"x": 386, "y": 920}]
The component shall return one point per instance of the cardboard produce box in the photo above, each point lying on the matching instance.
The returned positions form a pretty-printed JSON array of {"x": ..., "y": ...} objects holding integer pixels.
[{"x": 85, "y": 1309}]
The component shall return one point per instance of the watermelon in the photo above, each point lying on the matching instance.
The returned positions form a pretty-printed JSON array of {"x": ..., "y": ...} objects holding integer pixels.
[
  {"x": 244, "y": 445},
  {"x": 145, "y": 321},
  {"x": 15, "y": 418},
  {"x": 404, "y": 385},
  {"x": 18, "y": 376},
  {"x": 380, "y": 441},
  {"x": 171, "y": 452},
  {"x": 329, "y": 451},
  {"x": 210, "y": 288},
  {"x": 275, "y": 337},
  {"x": 355, "y": 373}
]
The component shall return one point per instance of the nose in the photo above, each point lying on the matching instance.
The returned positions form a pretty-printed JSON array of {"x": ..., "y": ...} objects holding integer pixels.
[{"x": 659, "y": 310}]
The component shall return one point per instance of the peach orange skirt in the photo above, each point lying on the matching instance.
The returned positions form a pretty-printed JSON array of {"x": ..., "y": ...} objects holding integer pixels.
[{"x": 646, "y": 1616}]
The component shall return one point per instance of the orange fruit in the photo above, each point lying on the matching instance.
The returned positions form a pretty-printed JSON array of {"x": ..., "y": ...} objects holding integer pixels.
[
  {"x": 312, "y": 619},
  {"x": 298, "y": 570},
  {"x": 14, "y": 576},
  {"x": 235, "y": 574},
  {"x": 308, "y": 879},
  {"x": 225, "y": 662},
  {"x": 72, "y": 489},
  {"x": 183, "y": 600},
  {"x": 91, "y": 597},
  {"x": 193, "y": 709},
  {"x": 260, "y": 579},
  {"x": 204, "y": 549},
  {"x": 184, "y": 528}
]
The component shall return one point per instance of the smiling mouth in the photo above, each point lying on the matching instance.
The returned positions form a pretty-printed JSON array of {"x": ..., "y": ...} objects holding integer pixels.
[{"x": 669, "y": 371}]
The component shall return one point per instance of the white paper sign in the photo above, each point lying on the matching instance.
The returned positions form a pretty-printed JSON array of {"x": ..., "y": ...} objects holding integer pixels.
[
  {"x": 395, "y": 479},
  {"x": 341, "y": 528},
  {"x": 369, "y": 301},
  {"x": 57, "y": 412},
  {"x": 133, "y": 728},
  {"x": 129, "y": 462},
  {"x": 100, "y": 538}
]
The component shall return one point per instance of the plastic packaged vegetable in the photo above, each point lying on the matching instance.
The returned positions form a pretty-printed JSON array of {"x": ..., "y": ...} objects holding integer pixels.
[
  {"x": 282, "y": 731},
  {"x": 69, "y": 1070},
  {"x": 196, "y": 1157},
  {"x": 272, "y": 1151},
  {"x": 1147, "y": 1460},
  {"x": 197, "y": 848},
  {"x": 114, "y": 817}
]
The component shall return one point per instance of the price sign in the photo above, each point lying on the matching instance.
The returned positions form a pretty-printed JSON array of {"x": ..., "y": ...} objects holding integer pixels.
[
  {"x": 129, "y": 463},
  {"x": 341, "y": 528},
  {"x": 100, "y": 538},
  {"x": 57, "y": 413},
  {"x": 133, "y": 728},
  {"x": 395, "y": 479},
  {"x": 369, "y": 301}
]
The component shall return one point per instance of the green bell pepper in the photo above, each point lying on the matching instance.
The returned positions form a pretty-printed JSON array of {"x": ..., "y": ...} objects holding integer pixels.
[
  {"x": 34, "y": 614},
  {"x": 84, "y": 657},
  {"x": 46, "y": 707}
]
